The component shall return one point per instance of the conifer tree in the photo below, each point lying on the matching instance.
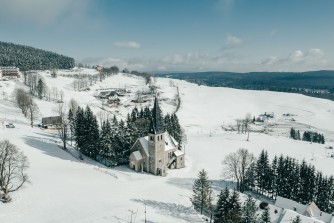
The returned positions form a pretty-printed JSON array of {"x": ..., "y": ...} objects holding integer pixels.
[
  {"x": 80, "y": 130},
  {"x": 92, "y": 133},
  {"x": 106, "y": 149},
  {"x": 265, "y": 216},
  {"x": 40, "y": 88},
  {"x": 222, "y": 206},
  {"x": 71, "y": 122},
  {"x": 249, "y": 211},
  {"x": 234, "y": 214},
  {"x": 202, "y": 192}
]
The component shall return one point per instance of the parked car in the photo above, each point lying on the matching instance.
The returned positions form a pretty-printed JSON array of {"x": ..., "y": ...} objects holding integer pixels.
[{"x": 10, "y": 125}]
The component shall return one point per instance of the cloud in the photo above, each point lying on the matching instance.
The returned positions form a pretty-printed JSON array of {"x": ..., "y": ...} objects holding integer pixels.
[
  {"x": 127, "y": 44},
  {"x": 297, "y": 60},
  {"x": 232, "y": 42}
]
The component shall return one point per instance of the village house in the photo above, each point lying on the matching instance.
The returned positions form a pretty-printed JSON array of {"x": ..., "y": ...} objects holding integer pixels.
[
  {"x": 308, "y": 213},
  {"x": 9, "y": 72},
  {"x": 158, "y": 151},
  {"x": 52, "y": 122}
]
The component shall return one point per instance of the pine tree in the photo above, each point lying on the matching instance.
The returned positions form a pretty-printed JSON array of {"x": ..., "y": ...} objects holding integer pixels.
[
  {"x": 92, "y": 133},
  {"x": 40, "y": 88},
  {"x": 265, "y": 217},
  {"x": 222, "y": 206},
  {"x": 235, "y": 214},
  {"x": 297, "y": 220},
  {"x": 262, "y": 170},
  {"x": 249, "y": 211},
  {"x": 250, "y": 177},
  {"x": 80, "y": 130},
  {"x": 106, "y": 149},
  {"x": 71, "y": 122},
  {"x": 202, "y": 196}
]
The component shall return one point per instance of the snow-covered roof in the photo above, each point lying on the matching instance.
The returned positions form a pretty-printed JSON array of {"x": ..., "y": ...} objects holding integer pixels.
[
  {"x": 137, "y": 155},
  {"x": 178, "y": 153},
  {"x": 289, "y": 216},
  {"x": 144, "y": 143},
  {"x": 290, "y": 204},
  {"x": 311, "y": 210},
  {"x": 170, "y": 142}
]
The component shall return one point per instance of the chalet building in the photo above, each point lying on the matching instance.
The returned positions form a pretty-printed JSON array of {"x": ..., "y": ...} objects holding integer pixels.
[
  {"x": 9, "y": 72},
  {"x": 52, "y": 122},
  {"x": 309, "y": 213},
  {"x": 158, "y": 151},
  {"x": 99, "y": 68}
]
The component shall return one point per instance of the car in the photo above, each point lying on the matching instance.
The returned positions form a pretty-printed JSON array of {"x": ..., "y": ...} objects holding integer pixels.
[{"x": 10, "y": 125}]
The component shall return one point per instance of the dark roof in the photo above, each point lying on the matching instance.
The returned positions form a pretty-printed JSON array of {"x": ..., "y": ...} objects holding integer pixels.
[
  {"x": 53, "y": 120},
  {"x": 157, "y": 122}
]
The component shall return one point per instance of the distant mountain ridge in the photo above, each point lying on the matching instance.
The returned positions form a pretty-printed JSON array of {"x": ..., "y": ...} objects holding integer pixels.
[
  {"x": 312, "y": 83},
  {"x": 30, "y": 58}
]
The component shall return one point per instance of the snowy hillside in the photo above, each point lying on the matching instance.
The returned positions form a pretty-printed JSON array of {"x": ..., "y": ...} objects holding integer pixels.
[{"x": 63, "y": 188}]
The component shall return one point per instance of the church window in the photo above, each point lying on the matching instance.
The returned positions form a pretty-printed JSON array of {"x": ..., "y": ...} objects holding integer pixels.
[{"x": 151, "y": 138}]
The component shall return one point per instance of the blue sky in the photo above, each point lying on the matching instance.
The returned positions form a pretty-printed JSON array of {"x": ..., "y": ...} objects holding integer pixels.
[{"x": 178, "y": 35}]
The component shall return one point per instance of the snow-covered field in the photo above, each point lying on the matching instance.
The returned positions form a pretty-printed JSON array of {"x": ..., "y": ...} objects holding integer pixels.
[{"x": 65, "y": 189}]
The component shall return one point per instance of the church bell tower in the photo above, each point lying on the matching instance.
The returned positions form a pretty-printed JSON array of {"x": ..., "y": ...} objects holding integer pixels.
[{"x": 156, "y": 138}]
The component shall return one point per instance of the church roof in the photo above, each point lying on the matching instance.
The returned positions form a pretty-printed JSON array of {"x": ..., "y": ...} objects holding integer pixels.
[{"x": 157, "y": 122}]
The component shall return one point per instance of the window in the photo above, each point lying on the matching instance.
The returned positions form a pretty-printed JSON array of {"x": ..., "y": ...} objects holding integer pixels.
[{"x": 151, "y": 138}]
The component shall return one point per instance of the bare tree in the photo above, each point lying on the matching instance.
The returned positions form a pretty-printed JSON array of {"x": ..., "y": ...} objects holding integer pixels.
[
  {"x": 63, "y": 127},
  {"x": 235, "y": 166},
  {"x": 13, "y": 166},
  {"x": 61, "y": 96},
  {"x": 247, "y": 122},
  {"x": 33, "y": 111},
  {"x": 73, "y": 105},
  {"x": 22, "y": 100}
]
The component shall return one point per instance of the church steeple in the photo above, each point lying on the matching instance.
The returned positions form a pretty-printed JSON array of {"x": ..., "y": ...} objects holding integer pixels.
[{"x": 157, "y": 122}]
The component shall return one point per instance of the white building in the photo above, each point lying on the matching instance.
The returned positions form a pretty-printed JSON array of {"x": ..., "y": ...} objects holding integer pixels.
[
  {"x": 308, "y": 213},
  {"x": 158, "y": 151}
]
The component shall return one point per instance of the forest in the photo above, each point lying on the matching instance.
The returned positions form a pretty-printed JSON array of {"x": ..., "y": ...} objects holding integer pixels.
[
  {"x": 30, "y": 58},
  {"x": 312, "y": 83}
]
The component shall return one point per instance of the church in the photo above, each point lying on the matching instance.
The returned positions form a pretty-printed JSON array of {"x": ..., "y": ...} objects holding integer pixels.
[{"x": 158, "y": 151}]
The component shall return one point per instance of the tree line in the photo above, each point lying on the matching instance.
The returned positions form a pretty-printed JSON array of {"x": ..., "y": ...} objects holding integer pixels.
[
  {"x": 307, "y": 136},
  {"x": 228, "y": 208},
  {"x": 286, "y": 177},
  {"x": 30, "y": 58},
  {"x": 111, "y": 142},
  {"x": 313, "y": 83}
]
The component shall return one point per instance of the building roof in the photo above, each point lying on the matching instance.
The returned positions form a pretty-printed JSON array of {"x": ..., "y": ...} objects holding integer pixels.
[
  {"x": 289, "y": 216},
  {"x": 311, "y": 210},
  {"x": 178, "y": 153},
  {"x": 144, "y": 143},
  {"x": 157, "y": 122},
  {"x": 137, "y": 155}
]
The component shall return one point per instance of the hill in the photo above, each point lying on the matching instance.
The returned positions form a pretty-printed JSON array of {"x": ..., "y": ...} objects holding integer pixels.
[
  {"x": 312, "y": 83},
  {"x": 64, "y": 188},
  {"x": 30, "y": 58}
]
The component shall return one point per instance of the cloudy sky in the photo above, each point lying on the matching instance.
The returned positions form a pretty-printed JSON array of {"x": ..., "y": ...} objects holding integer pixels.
[{"x": 178, "y": 35}]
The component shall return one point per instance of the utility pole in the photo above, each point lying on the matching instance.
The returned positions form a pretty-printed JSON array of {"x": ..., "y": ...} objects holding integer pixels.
[{"x": 145, "y": 212}]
